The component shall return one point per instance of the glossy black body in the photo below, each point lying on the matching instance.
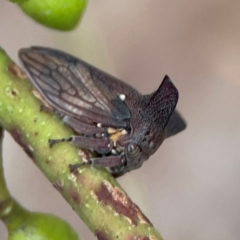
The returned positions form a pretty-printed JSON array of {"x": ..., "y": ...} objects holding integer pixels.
[{"x": 110, "y": 117}]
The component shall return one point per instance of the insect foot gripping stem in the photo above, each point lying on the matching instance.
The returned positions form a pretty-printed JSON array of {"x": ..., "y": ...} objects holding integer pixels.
[
  {"x": 104, "y": 161},
  {"x": 73, "y": 167},
  {"x": 52, "y": 142},
  {"x": 108, "y": 116}
]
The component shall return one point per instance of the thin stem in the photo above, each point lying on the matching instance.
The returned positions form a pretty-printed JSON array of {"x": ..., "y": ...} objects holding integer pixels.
[
  {"x": 5, "y": 198},
  {"x": 8, "y": 206},
  {"x": 4, "y": 194}
]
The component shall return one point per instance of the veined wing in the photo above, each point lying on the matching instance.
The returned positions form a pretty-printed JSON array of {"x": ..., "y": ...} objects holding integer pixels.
[{"x": 71, "y": 87}]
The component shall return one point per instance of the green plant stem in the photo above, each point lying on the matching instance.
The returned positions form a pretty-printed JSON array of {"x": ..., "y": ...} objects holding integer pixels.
[
  {"x": 4, "y": 194},
  {"x": 93, "y": 193},
  {"x": 8, "y": 206},
  {"x": 6, "y": 202}
]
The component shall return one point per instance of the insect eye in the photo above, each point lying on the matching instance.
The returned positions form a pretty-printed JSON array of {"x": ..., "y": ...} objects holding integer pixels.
[
  {"x": 133, "y": 150},
  {"x": 132, "y": 147}
]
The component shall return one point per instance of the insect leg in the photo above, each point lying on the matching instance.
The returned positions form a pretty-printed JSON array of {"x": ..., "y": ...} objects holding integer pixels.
[
  {"x": 100, "y": 145},
  {"x": 52, "y": 142},
  {"x": 85, "y": 128},
  {"x": 107, "y": 161}
]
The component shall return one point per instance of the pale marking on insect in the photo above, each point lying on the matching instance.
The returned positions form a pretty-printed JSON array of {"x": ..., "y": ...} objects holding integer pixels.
[
  {"x": 115, "y": 134},
  {"x": 122, "y": 97},
  {"x": 71, "y": 91},
  {"x": 113, "y": 151}
]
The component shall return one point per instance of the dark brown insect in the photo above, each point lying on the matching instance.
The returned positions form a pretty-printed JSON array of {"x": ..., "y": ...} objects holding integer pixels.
[{"x": 110, "y": 117}]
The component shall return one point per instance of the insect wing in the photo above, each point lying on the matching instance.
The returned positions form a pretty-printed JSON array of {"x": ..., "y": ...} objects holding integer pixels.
[
  {"x": 175, "y": 124},
  {"x": 72, "y": 87}
]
